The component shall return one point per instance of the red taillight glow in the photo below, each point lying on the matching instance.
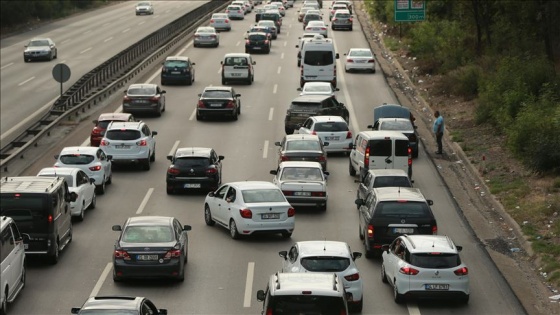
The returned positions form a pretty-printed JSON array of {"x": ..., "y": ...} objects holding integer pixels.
[
  {"x": 154, "y": 99},
  {"x": 121, "y": 254},
  {"x": 126, "y": 98},
  {"x": 104, "y": 143},
  {"x": 366, "y": 158},
  {"x": 173, "y": 171},
  {"x": 407, "y": 270},
  {"x": 142, "y": 143},
  {"x": 349, "y": 60},
  {"x": 287, "y": 192},
  {"x": 353, "y": 277},
  {"x": 200, "y": 104},
  {"x": 211, "y": 171},
  {"x": 50, "y": 219},
  {"x": 95, "y": 168},
  {"x": 212, "y": 21},
  {"x": 284, "y": 158},
  {"x": 246, "y": 213},
  {"x": 349, "y": 135},
  {"x": 318, "y": 194},
  {"x": 461, "y": 271},
  {"x": 230, "y": 104},
  {"x": 434, "y": 229},
  {"x": 174, "y": 253},
  {"x": 371, "y": 61},
  {"x": 247, "y": 42},
  {"x": 96, "y": 131},
  {"x": 370, "y": 231},
  {"x": 226, "y": 21},
  {"x": 322, "y": 158},
  {"x": 313, "y": 132},
  {"x": 291, "y": 212},
  {"x": 269, "y": 311},
  {"x": 409, "y": 156},
  {"x": 335, "y": 19}
]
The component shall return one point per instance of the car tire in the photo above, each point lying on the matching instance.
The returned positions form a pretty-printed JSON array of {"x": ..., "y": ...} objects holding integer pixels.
[
  {"x": 356, "y": 307},
  {"x": 323, "y": 207},
  {"x": 93, "y": 201},
  {"x": 146, "y": 164},
  {"x": 223, "y": 81},
  {"x": 163, "y": 83},
  {"x": 53, "y": 259},
  {"x": 153, "y": 156},
  {"x": 464, "y": 299},
  {"x": 233, "y": 229},
  {"x": 198, "y": 116},
  {"x": 346, "y": 70},
  {"x": 25, "y": 60},
  {"x": 247, "y": 51},
  {"x": 332, "y": 28},
  {"x": 159, "y": 111},
  {"x": 4, "y": 305},
  {"x": 286, "y": 234},
  {"x": 189, "y": 82},
  {"x": 181, "y": 276},
  {"x": 110, "y": 179},
  {"x": 236, "y": 116},
  {"x": 208, "y": 216},
  {"x": 368, "y": 253},
  {"x": 399, "y": 298},
  {"x": 351, "y": 29},
  {"x": 56, "y": 54},
  {"x": 383, "y": 274},
  {"x": 360, "y": 234},
  {"x": 351, "y": 169},
  {"x": 101, "y": 188}
]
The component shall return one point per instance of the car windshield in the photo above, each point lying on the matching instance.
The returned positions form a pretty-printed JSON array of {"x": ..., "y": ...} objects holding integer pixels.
[
  {"x": 147, "y": 234},
  {"x": 435, "y": 260},
  {"x": 36, "y": 43},
  {"x": 263, "y": 195},
  {"x": 402, "y": 209},
  {"x": 307, "y": 304},
  {"x": 176, "y": 64},
  {"x": 298, "y": 145},
  {"x": 216, "y": 93},
  {"x": 143, "y": 4},
  {"x": 142, "y": 90},
  {"x": 332, "y": 126},
  {"x": 30, "y": 212},
  {"x": 318, "y": 57},
  {"x": 192, "y": 162},
  {"x": 360, "y": 53},
  {"x": 206, "y": 30},
  {"x": 302, "y": 173},
  {"x": 391, "y": 181},
  {"x": 68, "y": 178},
  {"x": 396, "y": 125},
  {"x": 122, "y": 134},
  {"x": 236, "y": 61},
  {"x": 325, "y": 264},
  {"x": 77, "y": 159}
]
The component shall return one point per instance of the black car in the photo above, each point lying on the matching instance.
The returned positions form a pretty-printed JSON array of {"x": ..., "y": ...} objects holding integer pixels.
[
  {"x": 302, "y": 148},
  {"x": 177, "y": 69},
  {"x": 144, "y": 98},
  {"x": 151, "y": 247},
  {"x": 218, "y": 101},
  {"x": 257, "y": 42},
  {"x": 258, "y": 13},
  {"x": 305, "y": 106},
  {"x": 111, "y": 305},
  {"x": 194, "y": 169},
  {"x": 262, "y": 29}
]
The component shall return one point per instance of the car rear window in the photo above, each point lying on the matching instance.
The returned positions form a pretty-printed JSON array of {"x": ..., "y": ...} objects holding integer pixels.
[
  {"x": 435, "y": 260},
  {"x": 216, "y": 94},
  {"x": 176, "y": 64},
  {"x": 342, "y": 16},
  {"x": 269, "y": 16},
  {"x": 304, "y": 105},
  {"x": 236, "y": 61},
  {"x": 381, "y": 148},
  {"x": 147, "y": 234},
  {"x": 330, "y": 126},
  {"x": 396, "y": 125},
  {"x": 123, "y": 134},
  {"x": 401, "y": 147},
  {"x": 302, "y": 173},
  {"x": 77, "y": 159},
  {"x": 296, "y": 145},
  {"x": 391, "y": 181},
  {"x": 263, "y": 195},
  {"x": 318, "y": 57},
  {"x": 325, "y": 264},
  {"x": 402, "y": 209},
  {"x": 257, "y": 37},
  {"x": 141, "y": 91},
  {"x": 192, "y": 162},
  {"x": 307, "y": 304}
]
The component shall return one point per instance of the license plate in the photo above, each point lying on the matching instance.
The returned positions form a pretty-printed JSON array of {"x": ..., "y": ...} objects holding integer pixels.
[
  {"x": 236, "y": 74},
  {"x": 331, "y": 138},
  {"x": 175, "y": 72},
  {"x": 360, "y": 61},
  {"x": 437, "y": 287},
  {"x": 403, "y": 230},
  {"x": 122, "y": 147},
  {"x": 146, "y": 257},
  {"x": 25, "y": 246},
  {"x": 302, "y": 193},
  {"x": 142, "y": 101},
  {"x": 215, "y": 105},
  {"x": 268, "y": 216},
  {"x": 192, "y": 186}
]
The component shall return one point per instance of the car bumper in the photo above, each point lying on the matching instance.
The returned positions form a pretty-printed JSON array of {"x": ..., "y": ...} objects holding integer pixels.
[
  {"x": 240, "y": 78},
  {"x": 98, "y": 176},
  {"x": 339, "y": 26},
  {"x": 339, "y": 147},
  {"x": 218, "y": 112},
  {"x": 247, "y": 227},
  {"x": 356, "y": 290},
  {"x": 258, "y": 48},
  {"x": 176, "y": 78},
  {"x": 191, "y": 183},
  {"x": 130, "y": 157},
  {"x": 226, "y": 27},
  {"x": 45, "y": 56},
  {"x": 236, "y": 17},
  {"x": 307, "y": 201},
  {"x": 202, "y": 42},
  {"x": 360, "y": 66},
  {"x": 141, "y": 109},
  {"x": 171, "y": 269}
]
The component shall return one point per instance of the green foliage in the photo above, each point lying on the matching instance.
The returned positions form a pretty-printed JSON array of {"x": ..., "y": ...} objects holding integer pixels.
[
  {"x": 463, "y": 81},
  {"x": 13, "y": 13}
]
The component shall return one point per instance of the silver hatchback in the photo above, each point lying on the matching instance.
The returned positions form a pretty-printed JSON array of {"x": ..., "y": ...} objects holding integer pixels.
[{"x": 220, "y": 22}]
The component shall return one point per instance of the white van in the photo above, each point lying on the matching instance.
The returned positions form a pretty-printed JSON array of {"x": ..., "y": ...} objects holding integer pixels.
[
  {"x": 318, "y": 61},
  {"x": 380, "y": 150},
  {"x": 238, "y": 67},
  {"x": 12, "y": 252}
]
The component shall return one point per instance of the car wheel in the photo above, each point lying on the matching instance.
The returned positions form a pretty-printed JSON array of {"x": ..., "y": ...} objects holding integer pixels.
[
  {"x": 233, "y": 230},
  {"x": 351, "y": 169},
  {"x": 332, "y": 28},
  {"x": 80, "y": 218},
  {"x": 25, "y": 60},
  {"x": 360, "y": 234},
  {"x": 323, "y": 207},
  {"x": 399, "y": 298},
  {"x": 286, "y": 234},
  {"x": 357, "y": 307},
  {"x": 369, "y": 253},
  {"x": 208, "y": 216},
  {"x": 198, "y": 116},
  {"x": 51, "y": 56},
  {"x": 163, "y": 82},
  {"x": 56, "y": 54},
  {"x": 464, "y": 299},
  {"x": 4, "y": 306},
  {"x": 93, "y": 201},
  {"x": 181, "y": 276},
  {"x": 53, "y": 259},
  {"x": 153, "y": 156},
  {"x": 239, "y": 110},
  {"x": 236, "y": 116},
  {"x": 346, "y": 70},
  {"x": 383, "y": 274},
  {"x": 101, "y": 188},
  {"x": 146, "y": 165},
  {"x": 351, "y": 29},
  {"x": 159, "y": 111},
  {"x": 247, "y": 51},
  {"x": 170, "y": 190},
  {"x": 189, "y": 82}
]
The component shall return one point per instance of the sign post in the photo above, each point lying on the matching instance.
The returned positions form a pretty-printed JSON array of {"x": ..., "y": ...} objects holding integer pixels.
[
  {"x": 61, "y": 73},
  {"x": 410, "y": 10}
]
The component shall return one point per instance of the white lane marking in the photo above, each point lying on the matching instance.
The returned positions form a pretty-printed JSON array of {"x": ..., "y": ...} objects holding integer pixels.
[
  {"x": 185, "y": 48},
  {"x": 126, "y": 30},
  {"x": 353, "y": 121},
  {"x": 285, "y": 43},
  {"x": 85, "y": 50},
  {"x": 86, "y": 32},
  {"x": 249, "y": 284},
  {"x": 220, "y": 69},
  {"x": 101, "y": 279},
  {"x": 192, "y": 115},
  {"x": 22, "y": 83},
  {"x": 66, "y": 41},
  {"x": 238, "y": 43},
  {"x": 174, "y": 148},
  {"x": 145, "y": 201},
  {"x": 153, "y": 76},
  {"x": 6, "y": 66},
  {"x": 413, "y": 309},
  {"x": 279, "y": 69},
  {"x": 271, "y": 113},
  {"x": 141, "y": 22},
  {"x": 265, "y": 149},
  {"x": 108, "y": 39},
  {"x": 62, "y": 61},
  {"x": 275, "y": 88},
  {"x": 282, "y": 56}
]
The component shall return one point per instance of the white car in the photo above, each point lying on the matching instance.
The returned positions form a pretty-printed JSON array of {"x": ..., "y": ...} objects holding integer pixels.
[
  {"x": 79, "y": 183},
  {"x": 280, "y": 7},
  {"x": 250, "y": 207},
  {"x": 144, "y": 7},
  {"x": 220, "y": 21},
  {"x": 425, "y": 266},
  {"x": 303, "y": 183},
  {"x": 318, "y": 88},
  {"x": 92, "y": 160},
  {"x": 12, "y": 264},
  {"x": 331, "y": 129},
  {"x": 235, "y": 12},
  {"x": 327, "y": 256},
  {"x": 318, "y": 27},
  {"x": 359, "y": 59}
]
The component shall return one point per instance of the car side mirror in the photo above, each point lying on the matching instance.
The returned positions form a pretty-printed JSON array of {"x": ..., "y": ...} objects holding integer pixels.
[
  {"x": 92, "y": 180},
  {"x": 430, "y": 202},
  {"x": 459, "y": 248},
  {"x": 75, "y": 310},
  {"x": 283, "y": 254},
  {"x": 359, "y": 201},
  {"x": 336, "y": 55},
  {"x": 56, "y": 157},
  {"x": 412, "y": 181},
  {"x": 162, "y": 311},
  {"x": 297, "y": 46},
  {"x": 277, "y": 143},
  {"x": 192, "y": 63},
  {"x": 199, "y": 95},
  {"x": 385, "y": 247},
  {"x": 116, "y": 228},
  {"x": 299, "y": 89},
  {"x": 370, "y": 127},
  {"x": 415, "y": 127},
  {"x": 260, "y": 296},
  {"x": 273, "y": 172},
  {"x": 211, "y": 194},
  {"x": 337, "y": 89},
  {"x": 163, "y": 92},
  {"x": 221, "y": 157},
  {"x": 109, "y": 157},
  {"x": 356, "y": 255},
  {"x": 170, "y": 158},
  {"x": 326, "y": 173},
  {"x": 221, "y": 62},
  {"x": 154, "y": 133},
  {"x": 357, "y": 181},
  {"x": 187, "y": 228},
  {"x": 237, "y": 95}
]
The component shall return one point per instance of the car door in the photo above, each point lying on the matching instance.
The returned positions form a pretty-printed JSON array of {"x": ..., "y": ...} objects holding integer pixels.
[
  {"x": 19, "y": 254},
  {"x": 390, "y": 261},
  {"x": 306, "y": 127},
  {"x": 364, "y": 186},
  {"x": 229, "y": 206},
  {"x": 365, "y": 213},
  {"x": 150, "y": 138},
  {"x": 105, "y": 163},
  {"x": 9, "y": 268},
  {"x": 86, "y": 186},
  {"x": 180, "y": 235},
  {"x": 276, "y": 179},
  {"x": 216, "y": 202},
  {"x": 161, "y": 94},
  {"x": 148, "y": 308}
]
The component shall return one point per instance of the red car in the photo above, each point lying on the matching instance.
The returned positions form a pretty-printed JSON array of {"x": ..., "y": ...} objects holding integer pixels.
[{"x": 101, "y": 125}]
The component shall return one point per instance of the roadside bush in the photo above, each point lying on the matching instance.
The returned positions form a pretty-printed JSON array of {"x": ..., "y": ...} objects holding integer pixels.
[{"x": 463, "y": 81}]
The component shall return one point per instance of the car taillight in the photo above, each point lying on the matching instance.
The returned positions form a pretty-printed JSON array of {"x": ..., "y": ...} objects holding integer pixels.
[
  {"x": 246, "y": 213},
  {"x": 173, "y": 171},
  {"x": 95, "y": 168},
  {"x": 370, "y": 231},
  {"x": 154, "y": 98},
  {"x": 323, "y": 28},
  {"x": 104, "y": 143},
  {"x": 269, "y": 311},
  {"x": 407, "y": 270},
  {"x": 226, "y": 21},
  {"x": 461, "y": 271},
  {"x": 50, "y": 219},
  {"x": 366, "y": 158},
  {"x": 291, "y": 212},
  {"x": 287, "y": 192},
  {"x": 349, "y": 135},
  {"x": 314, "y": 132},
  {"x": 322, "y": 158},
  {"x": 318, "y": 194},
  {"x": 350, "y": 20},
  {"x": 247, "y": 42},
  {"x": 349, "y": 60},
  {"x": 126, "y": 98},
  {"x": 266, "y": 41},
  {"x": 434, "y": 229},
  {"x": 239, "y": 11},
  {"x": 121, "y": 254},
  {"x": 212, "y": 21},
  {"x": 371, "y": 61},
  {"x": 96, "y": 131},
  {"x": 230, "y": 104},
  {"x": 213, "y": 36},
  {"x": 174, "y": 253},
  {"x": 211, "y": 171},
  {"x": 409, "y": 156},
  {"x": 284, "y": 158},
  {"x": 200, "y": 104},
  {"x": 227, "y": 11},
  {"x": 142, "y": 143},
  {"x": 353, "y": 277}
]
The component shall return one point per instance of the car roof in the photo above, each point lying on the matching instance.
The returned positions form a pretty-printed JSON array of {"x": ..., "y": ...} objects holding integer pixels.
[
  {"x": 388, "y": 172},
  {"x": 302, "y": 137},
  {"x": 383, "y": 133},
  {"x": 179, "y": 58},
  {"x": 317, "y": 83},
  {"x": 253, "y": 185},
  {"x": 344, "y": 11},
  {"x": 206, "y": 28},
  {"x": 430, "y": 243},
  {"x": 218, "y": 88},
  {"x": 237, "y": 55},
  {"x": 4, "y": 221},
  {"x": 300, "y": 164},
  {"x": 142, "y": 85},
  {"x": 311, "y": 97},
  {"x": 399, "y": 193},
  {"x": 327, "y": 118},
  {"x": 125, "y": 125},
  {"x": 59, "y": 170},
  {"x": 114, "y": 116},
  {"x": 149, "y": 220},
  {"x": 113, "y": 302},
  {"x": 360, "y": 49},
  {"x": 79, "y": 150},
  {"x": 193, "y": 151},
  {"x": 323, "y": 248}
]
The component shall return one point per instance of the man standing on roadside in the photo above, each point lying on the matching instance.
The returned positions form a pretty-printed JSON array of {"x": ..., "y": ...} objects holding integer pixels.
[{"x": 438, "y": 130}]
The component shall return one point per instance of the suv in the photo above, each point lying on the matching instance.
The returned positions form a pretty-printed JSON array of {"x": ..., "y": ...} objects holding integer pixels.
[
  {"x": 238, "y": 67},
  {"x": 130, "y": 142},
  {"x": 177, "y": 69},
  {"x": 308, "y": 293},
  {"x": 194, "y": 168},
  {"x": 378, "y": 178},
  {"x": 12, "y": 254},
  {"x": 425, "y": 266},
  {"x": 125, "y": 304},
  {"x": 389, "y": 212},
  {"x": 303, "y": 107}
]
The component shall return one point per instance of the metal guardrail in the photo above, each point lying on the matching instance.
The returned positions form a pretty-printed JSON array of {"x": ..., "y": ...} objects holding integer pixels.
[{"x": 104, "y": 80}]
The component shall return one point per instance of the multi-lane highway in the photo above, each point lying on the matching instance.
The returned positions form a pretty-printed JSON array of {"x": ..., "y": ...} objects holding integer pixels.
[{"x": 223, "y": 275}]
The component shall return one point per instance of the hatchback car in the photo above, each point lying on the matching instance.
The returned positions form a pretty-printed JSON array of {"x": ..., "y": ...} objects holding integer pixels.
[
  {"x": 178, "y": 69},
  {"x": 262, "y": 29},
  {"x": 342, "y": 19},
  {"x": 218, "y": 101},
  {"x": 302, "y": 148},
  {"x": 78, "y": 182},
  {"x": 311, "y": 17},
  {"x": 194, "y": 169},
  {"x": 40, "y": 49},
  {"x": 151, "y": 247},
  {"x": 361, "y": 59},
  {"x": 92, "y": 160},
  {"x": 327, "y": 256},
  {"x": 403, "y": 125},
  {"x": 425, "y": 266},
  {"x": 108, "y": 305},
  {"x": 318, "y": 27},
  {"x": 303, "y": 183},
  {"x": 331, "y": 129},
  {"x": 257, "y": 42},
  {"x": 144, "y": 98},
  {"x": 318, "y": 88},
  {"x": 235, "y": 12},
  {"x": 250, "y": 207},
  {"x": 130, "y": 142},
  {"x": 271, "y": 26},
  {"x": 144, "y": 7},
  {"x": 101, "y": 123},
  {"x": 220, "y": 22},
  {"x": 206, "y": 36}
]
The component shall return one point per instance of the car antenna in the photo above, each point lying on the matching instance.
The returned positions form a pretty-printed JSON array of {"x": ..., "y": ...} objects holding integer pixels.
[{"x": 325, "y": 244}]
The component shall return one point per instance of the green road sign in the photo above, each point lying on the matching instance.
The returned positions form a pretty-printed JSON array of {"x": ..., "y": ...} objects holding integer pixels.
[{"x": 410, "y": 10}]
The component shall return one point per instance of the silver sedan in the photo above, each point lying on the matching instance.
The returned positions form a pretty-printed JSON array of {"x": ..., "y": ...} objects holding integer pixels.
[{"x": 206, "y": 36}]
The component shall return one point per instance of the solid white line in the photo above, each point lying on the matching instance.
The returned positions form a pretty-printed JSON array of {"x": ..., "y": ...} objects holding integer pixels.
[
  {"x": 220, "y": 69},
  {"x": 282, "y": 56},
  {"x": 279, "y": 69},
  {"x": 22, "y": 83},
  {"x": 270, "y": 113},
  {"x": 6, "y": 66},
  {"x": 145, "y": 201},
  {"x": 66, "y": 41},
  {"x": 174, "y": 148},
  {"x": 265, "y": 149},
  {"x": 249, "y": 284},
  {"x": 192, "y": 115},
  {"x": 126, "y": 30},
  {"x": 101, "y": 279},
  {"x": 85, "y": 50},
  {"x": 287, "y": 34},
  {"x": 353, "y": 120},
  {"x": 62, "y": 61},
  {"x": 108, "y": 39},
  {"x": 86, "y": 32},
  {"x": 106, "y": 24},
  {"x": 185, "y": 48},
  {"x": 413, "y": 309},
  {"x": 275, "y": 88}
]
